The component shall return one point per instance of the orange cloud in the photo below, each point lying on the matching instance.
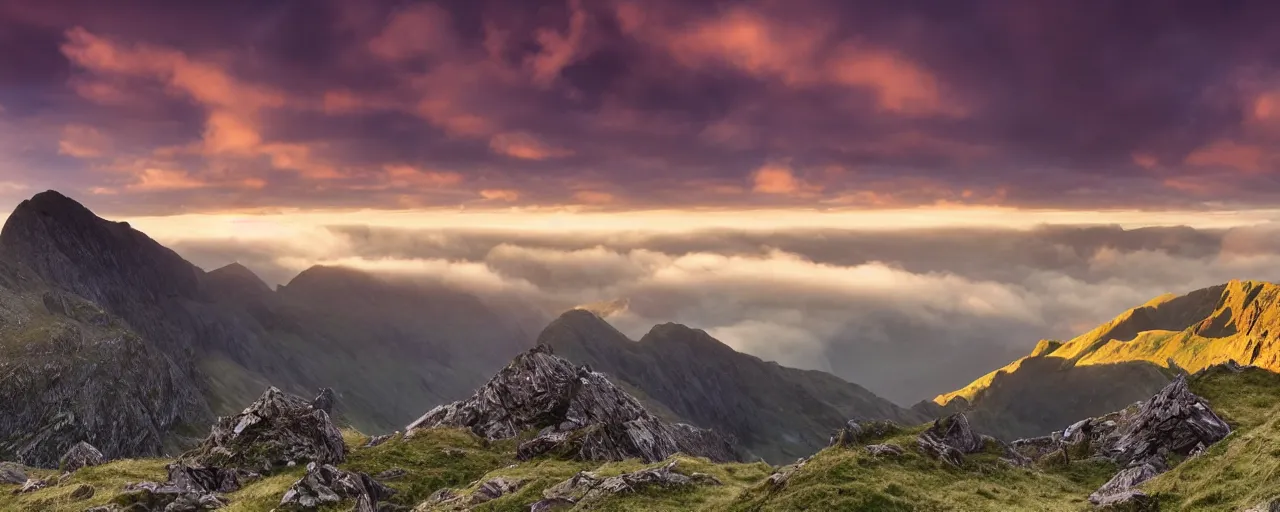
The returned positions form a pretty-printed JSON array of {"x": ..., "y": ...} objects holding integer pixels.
[
  {"x": 1145, "y": 160},
  {"x": 507, "y": 195},
  {"x": 525, "y": 147},
  {"x": 1225, "y": 153},
  {"x": 795, "y": 54},
  {"x": 1266, "y": 107},
  {"x": 154, "y": 179},
  {"x": 82, "y": 141},
  {"x": 232, "y": 126},
  {"x": 779, "y": 179},
  {"x": 593, "y": 197}
]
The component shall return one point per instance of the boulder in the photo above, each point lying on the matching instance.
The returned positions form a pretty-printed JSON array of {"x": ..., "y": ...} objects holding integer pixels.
[
  {"x": 577, "y": 413},
  {"x": 324, "y": 401},
  {"x": 12, "y": 473},
  {"x": 378, "y": 440},
  {"x": 81, "y": 455},
  {"x": 324, "y": 484},
  {"x": 277, "y": 430},
  {"x": 1121, "y": 486},
  {"x": 950, "y": 439},
  {"x": 858, "y": 432},
  {"x": 1271, "y": 505},
  {"x": 780, "y": 477}
]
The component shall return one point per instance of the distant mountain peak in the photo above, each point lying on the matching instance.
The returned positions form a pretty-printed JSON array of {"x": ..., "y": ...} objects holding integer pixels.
[{"x": 240, "y": 277}]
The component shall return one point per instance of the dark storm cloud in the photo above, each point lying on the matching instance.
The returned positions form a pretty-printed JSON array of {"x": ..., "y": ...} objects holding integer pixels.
[
  {"x": 636, "y": 104},
  {"x": 909, "y": 313}
]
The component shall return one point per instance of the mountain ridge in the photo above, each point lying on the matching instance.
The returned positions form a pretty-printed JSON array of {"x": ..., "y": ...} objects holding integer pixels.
[{"x": 778, "y": 413}]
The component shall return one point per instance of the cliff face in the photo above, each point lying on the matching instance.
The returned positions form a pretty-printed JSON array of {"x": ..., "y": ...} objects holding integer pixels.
[
  {"x": 119, "y": 341},
  {"x": 776, "y": 412}
]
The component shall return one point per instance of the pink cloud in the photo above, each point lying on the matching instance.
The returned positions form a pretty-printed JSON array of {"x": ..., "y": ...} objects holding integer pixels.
[{"x": 525, "y": 147}]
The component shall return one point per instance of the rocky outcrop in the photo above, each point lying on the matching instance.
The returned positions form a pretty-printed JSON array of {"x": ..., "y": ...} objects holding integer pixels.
[
  {"x": 1174, "y": 421},
  {"x": 31, "y": 485},
  {"x": 578, "y": 413},
  {"x": 80, "y": 455},
  {"x": 324, "y": 485},
  {"x": 858, "y": 432},
  {"x": 950, "y": 439},
  {"x": 1138, "y": 438},
  {"x": 277, "y": 430},
  {"x": 189, "y": 488},
  {"x": 585, "y": 488},
  {"x": 885, "y": 450},
  {"x": 449, "y": 500}
]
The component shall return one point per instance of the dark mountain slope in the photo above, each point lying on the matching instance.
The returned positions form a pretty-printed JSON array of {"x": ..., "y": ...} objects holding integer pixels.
[
  {"x": 778, "y": 413},
  {"x": 101, "y": 322}
]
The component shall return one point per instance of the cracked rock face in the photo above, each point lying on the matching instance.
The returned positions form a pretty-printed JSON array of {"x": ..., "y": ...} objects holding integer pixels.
[
  {"x": 276, "y": 430},
  {"x": 11, "y": 473},
  {"x": 950, "y": 439},
  {"x": 578, "y": 414},
  {"x": 1175, "y": 420}
]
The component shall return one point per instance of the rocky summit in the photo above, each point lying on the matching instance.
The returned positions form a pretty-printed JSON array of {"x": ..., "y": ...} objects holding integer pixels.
[
  {"x": 576, "y": 412},
  {"x": 277, "y": 430}
]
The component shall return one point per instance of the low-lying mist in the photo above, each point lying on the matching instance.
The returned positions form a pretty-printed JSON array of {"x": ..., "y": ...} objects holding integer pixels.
[{"x": 908, "y": 314}]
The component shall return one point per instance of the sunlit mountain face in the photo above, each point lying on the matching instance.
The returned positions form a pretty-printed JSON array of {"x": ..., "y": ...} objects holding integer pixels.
[{"x": 907, "y": 196}]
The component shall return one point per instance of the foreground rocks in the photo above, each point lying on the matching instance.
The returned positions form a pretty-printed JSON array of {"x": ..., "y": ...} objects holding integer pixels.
[
  {"x": 858, "y": 432},
  {"x": 324, "y": 484},
  {"x": 277, "y": 430},
  {"x": 585, "y": 489},
  {"x": 952, "y": 437},
  {"x": 12, "y": 473},
  {"x": 189, "y": 488},
  {"x": 1139, "y": 439},
  {"x": 578, "y": 413}
]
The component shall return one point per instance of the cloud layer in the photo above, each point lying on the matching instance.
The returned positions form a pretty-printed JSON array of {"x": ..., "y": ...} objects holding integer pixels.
[
  {"x": 907, "y": 313},
  {"x": 161, "y": 106}
]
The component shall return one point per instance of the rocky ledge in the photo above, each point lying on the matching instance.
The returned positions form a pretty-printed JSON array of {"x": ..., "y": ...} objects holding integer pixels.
[{"x": 578, "y": 414}]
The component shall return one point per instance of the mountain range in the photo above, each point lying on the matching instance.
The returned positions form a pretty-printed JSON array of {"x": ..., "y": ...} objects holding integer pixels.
[{"x": 118, "y": 340}]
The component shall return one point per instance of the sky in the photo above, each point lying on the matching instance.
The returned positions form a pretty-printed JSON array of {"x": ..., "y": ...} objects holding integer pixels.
[
  {"x": 905, "y": 194},
  {"x": 163, "y": 107}
]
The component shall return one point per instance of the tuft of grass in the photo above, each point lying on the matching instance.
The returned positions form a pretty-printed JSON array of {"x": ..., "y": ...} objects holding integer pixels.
[{"x": 433, "y": 459}]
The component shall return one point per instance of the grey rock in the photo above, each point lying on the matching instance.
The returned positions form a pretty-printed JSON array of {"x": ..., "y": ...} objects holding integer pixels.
[
  {"x": 12, "y": 473},
  {"x": 585, "y": 489},
  {"x": 1123, "y": 483},
  {"x": 81, "y": 493},
  {"x": 275, "y": 430},
  {"x": 189, "y": 488},
  {"x": 858, "y": 432},
  {"x": 950, "y": 439},
  {"x": 578, "y": 413},
  {"x": 779, "y": 478},
  {"x": 80, "y": 455},
  {"x": 1129, "y": 501},
  {"x": 324, "y": 484},
  {"x": 1175, "y": 420},
  {"x": 494, "y": 489},
  {"x": 884, "y": 450},
  {"x": 31, "y": 485},
  {"x": 1271, "y": 505}
]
